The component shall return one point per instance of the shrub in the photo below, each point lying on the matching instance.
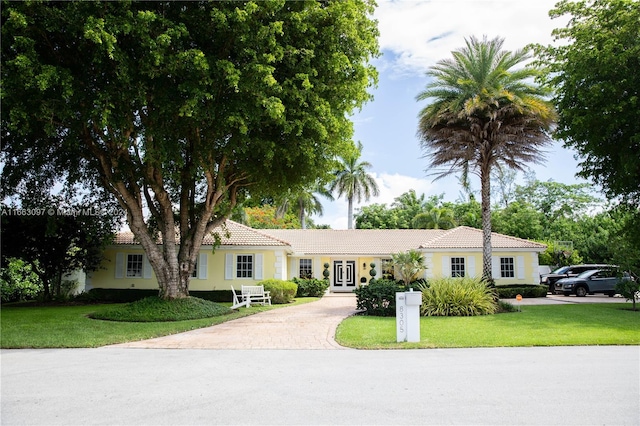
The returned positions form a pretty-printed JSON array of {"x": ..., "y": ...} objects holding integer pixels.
[
  {"x": 378, "y": 298},
  {"x": 281, "y": 291},
  {"x": 457, "y": 297},
  {"x": 311, "y": 287},
  {"x": 511, "y": 291},
  {"x": 18, "y": 282},
  {"x": 154, "y": 309},
  {"x": 505, "y": 307},
  {"x": 630, "y": 290}
]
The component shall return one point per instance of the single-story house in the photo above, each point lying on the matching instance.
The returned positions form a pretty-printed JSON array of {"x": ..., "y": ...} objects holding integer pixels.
[{"x": 248, "y": 255}]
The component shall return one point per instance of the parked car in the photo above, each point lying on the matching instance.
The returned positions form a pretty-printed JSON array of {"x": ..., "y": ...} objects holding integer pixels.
[
  {"x": 590, "y": 282},
  {"x": 568, "y": 272}
]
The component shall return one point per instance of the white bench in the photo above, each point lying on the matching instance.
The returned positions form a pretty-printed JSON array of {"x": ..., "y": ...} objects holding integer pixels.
[
  {"x": 250, "y": 293},
  {"x": 256, "y": 294}
]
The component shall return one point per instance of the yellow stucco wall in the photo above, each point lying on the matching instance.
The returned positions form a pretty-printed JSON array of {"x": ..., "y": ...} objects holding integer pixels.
[
  {"x": 525, "y": 265},
  {"x": 277, "y": 264},
  {"x": 105, "y": 277}
]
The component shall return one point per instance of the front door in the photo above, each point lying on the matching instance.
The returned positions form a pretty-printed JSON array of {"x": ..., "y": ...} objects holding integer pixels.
[{"x": 344, "y": 275}]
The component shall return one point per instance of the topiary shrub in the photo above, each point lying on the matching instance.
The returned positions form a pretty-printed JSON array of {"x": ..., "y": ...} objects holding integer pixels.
[
  {"x": 378, "y": 298},
  {"x": 311, "y": 287},
  {"x": 457, "y": 297},
  {"x": 282, "y": 292},
  {"x": 511, "y": 291}
]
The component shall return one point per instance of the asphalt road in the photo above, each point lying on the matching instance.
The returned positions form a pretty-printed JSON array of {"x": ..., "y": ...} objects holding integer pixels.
[{"x": 123, "y": 386}]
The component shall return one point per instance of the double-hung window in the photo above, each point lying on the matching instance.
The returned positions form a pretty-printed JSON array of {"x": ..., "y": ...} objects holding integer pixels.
[
  {"x": 306, "y": 268},
  {"x": 457, "y": 267},
  {"x": 507, "y": 269},
  {"x": 244, "y": 266},
  {"x": 134, "y": 266}
]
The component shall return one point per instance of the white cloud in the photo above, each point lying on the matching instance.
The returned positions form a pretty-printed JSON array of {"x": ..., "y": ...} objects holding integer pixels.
[{"x": 420, "y": 33}]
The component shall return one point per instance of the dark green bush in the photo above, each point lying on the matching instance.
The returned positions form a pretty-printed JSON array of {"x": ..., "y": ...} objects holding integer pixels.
[
  {"x": 378, "y": 298},
  {"x": 505, "y": 307},
  {"x": 154, "y": 309},
  {"x": 112, "y": 295},
  {"x": 511, "y": 291},
  {"x": 457, "y": 297},
  {"x": 18, "y": 282},
  {"x": 281, "y": 291},
  {"x": 311, "y": 287}
]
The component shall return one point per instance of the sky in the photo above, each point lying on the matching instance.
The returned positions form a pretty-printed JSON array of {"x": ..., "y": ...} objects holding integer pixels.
[{"x": 414, "y": 35}]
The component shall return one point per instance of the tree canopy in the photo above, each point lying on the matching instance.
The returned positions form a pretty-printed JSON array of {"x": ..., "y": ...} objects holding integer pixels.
[
  {"x": 179, "y": 109},
  {"x": 594, "y": 70},
  {"x": 56, "y": 237},
  {"x": 483, "y": 113}
]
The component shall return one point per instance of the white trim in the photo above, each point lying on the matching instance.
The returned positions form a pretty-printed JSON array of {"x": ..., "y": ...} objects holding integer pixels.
[
  {"x": 317, "y": 268},
  {"x": 228, "y": 266},
  {"x": 471, "y": 266},
  {"x": 428, "y": 263},
  {"x": 202, "y": 266},
  {"x": 146, "y": 267},
  {"x": 495, "y": 267},
  {"x": 520, "y": 267},
  {"x": 446, "y": 266},
  {"x": 119, "y": 265},
  {"x": 258, "y": 266}
]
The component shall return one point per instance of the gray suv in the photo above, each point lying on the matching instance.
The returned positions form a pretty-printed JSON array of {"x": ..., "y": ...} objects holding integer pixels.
[
  {"x": 598, "y": 281},
  {"x": 568, "y": 272}
]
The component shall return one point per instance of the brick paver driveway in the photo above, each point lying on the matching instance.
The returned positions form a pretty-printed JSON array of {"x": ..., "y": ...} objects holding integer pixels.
[{"x": 308, "y": 326}]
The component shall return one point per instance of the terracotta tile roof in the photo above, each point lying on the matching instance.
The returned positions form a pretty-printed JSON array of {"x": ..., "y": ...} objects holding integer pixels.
[
  {"x": 353, "y": 241},
  {"x": 466, "y": 237},
  {"x": 233, "y": 234},
  {"x": 387, "y": 241}
]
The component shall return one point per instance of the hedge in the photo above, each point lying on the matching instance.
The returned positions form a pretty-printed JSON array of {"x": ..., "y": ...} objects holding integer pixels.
[{"x": 511, "y": 291}]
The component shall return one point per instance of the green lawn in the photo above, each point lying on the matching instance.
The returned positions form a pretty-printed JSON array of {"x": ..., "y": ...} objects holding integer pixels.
[
  {"x": 544, "y": 325},
  {"x": 70, "y": 327}
]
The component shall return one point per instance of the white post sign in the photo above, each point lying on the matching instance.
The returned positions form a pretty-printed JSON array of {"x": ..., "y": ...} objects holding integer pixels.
[{"x": 401, "y": 318}]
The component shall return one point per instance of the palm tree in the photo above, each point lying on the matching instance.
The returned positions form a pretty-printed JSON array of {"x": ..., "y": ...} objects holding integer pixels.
[
  {"x": 483, "y": 114},
  {"x": 305, "y": 201},
  {"x": 408, "y": 265},
  {"x": 353, "y": 181},
  {"x": 435, "y": 218}
]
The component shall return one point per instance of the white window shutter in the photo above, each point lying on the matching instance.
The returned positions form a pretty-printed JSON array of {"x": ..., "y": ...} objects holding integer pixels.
[
  {"x": 119, "y": 265},
  {"x": 202, "y": 266},
  {"x": 495, "y": 267},
  {"x": 228, "y": 266},
  {"x": 259, "y": 272},
  {"x": 146, "y": 267},
  {"x": 520, "y": 266},
  {"x": 471, "y": 266},
  {"x": 317, "y": 268},
  {"x": 446, "y": 266}
]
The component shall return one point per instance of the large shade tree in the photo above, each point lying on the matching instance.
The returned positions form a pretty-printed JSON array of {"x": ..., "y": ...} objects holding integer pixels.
[
  {"x": 353, "y": 181},
  {"x": 594, "y": 71},
  {"x": 483, "y": 112},
  {"x": 179, "y": 109}
]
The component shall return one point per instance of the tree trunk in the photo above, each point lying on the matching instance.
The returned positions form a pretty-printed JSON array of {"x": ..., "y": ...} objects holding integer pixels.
[
  {"x": 485, "y": 182},
  {"x": 303, "y": 222},
  {"x": 176, "y": 287},
  {"x": 350, "y": 213}
]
